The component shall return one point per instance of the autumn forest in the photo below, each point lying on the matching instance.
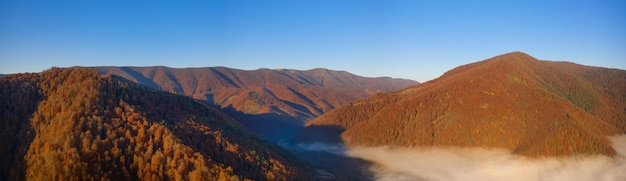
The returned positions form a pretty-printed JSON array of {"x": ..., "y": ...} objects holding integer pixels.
[
  {"x": 74, "y": 124},
  {"x": 159, "y": 123}
]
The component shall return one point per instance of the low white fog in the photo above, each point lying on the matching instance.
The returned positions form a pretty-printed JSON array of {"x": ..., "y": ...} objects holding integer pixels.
[
  {"x": 451, "y": 164},
  {"x": 443, "y": 164}
]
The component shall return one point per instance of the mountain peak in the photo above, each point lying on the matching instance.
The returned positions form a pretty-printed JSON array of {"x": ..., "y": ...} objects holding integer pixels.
[
  {"x": 514, "y": 56},
  {"x": 531, "y": 107},
  {"x": 516, "y": 53},
  {"x": 501, "y": 63}
]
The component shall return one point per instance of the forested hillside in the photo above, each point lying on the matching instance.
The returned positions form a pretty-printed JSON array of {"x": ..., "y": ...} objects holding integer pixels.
[
  {"x": 512, "y": 101},
  {"x": 74, "y": 124},
  {"x": 269, "y": 102}
]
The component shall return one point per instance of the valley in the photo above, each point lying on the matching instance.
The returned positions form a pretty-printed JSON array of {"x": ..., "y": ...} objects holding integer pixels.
[
  {"x": 221, "y": 123},
  {"x": 313, "y": 90},
  {"x": 271, "y": 103}
]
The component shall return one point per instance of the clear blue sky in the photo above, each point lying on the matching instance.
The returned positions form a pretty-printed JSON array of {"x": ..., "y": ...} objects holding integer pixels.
[{"x": 414, "y": 39}]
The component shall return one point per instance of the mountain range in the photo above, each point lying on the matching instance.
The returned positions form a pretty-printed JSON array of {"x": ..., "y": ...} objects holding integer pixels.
[
  {"x": 512, "y": 101},
  {"x": 159, "y": 123},
  {"x": 75, "y": 124},
  {"x": 269, "y": 102}
]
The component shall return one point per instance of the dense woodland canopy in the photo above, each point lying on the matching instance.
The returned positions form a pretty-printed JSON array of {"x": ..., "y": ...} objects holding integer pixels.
[
  {"x": 512, "y": 101},
  {"x": 74, "y": 124}
]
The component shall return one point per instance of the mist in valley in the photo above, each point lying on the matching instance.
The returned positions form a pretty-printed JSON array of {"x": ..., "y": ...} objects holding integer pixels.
[
  {"x": 443, "y": 164},
  {"x": 483, "y": 164}
]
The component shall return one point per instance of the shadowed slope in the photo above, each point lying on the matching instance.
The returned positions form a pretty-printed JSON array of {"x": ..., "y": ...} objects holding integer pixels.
[
  {"x": 300, "y": 94},
  {"x": 512, "y": 101},
  {"x": 269, "y": 102},
  {"x": 73, "y": 124}
]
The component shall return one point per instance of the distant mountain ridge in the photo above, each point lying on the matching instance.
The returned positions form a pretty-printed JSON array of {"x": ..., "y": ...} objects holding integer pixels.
[
  {"x": 265, "y": 100},
  {"x": 511, "y": 101}
]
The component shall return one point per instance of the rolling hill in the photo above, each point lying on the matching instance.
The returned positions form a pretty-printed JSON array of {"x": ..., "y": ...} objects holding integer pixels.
[
  {"x": 268, "y": 102},
  {"x": 512, "y": 101},
  {"x": 75, "y": 124}
]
